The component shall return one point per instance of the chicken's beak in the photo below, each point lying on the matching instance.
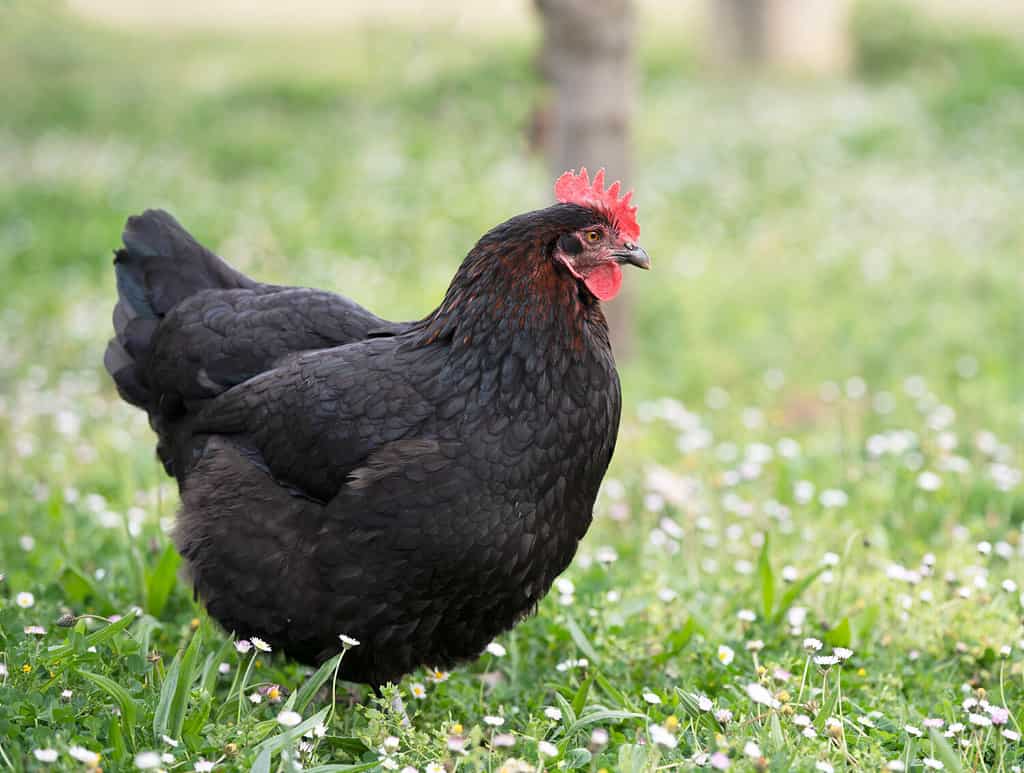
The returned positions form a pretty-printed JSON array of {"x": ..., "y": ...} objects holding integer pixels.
[{"x": 634, "y": 255}]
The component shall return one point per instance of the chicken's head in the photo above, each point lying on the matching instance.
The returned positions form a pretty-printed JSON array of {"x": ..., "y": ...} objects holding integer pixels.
[{"x": 594, "y": 252}]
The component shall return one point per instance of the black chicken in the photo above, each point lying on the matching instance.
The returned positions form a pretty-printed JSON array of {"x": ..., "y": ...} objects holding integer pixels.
[{"x": 417, "y": 486}]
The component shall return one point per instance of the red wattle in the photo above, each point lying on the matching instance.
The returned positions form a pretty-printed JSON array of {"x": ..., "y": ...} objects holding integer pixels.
[{"x": 604, "y": 280}]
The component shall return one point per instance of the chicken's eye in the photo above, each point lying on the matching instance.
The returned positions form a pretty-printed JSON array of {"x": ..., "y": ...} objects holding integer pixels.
[{"x": 593, "y": 236}]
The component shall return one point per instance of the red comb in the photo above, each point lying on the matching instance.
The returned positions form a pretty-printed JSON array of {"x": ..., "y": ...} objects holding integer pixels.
[{"x": 573, "y": 188}]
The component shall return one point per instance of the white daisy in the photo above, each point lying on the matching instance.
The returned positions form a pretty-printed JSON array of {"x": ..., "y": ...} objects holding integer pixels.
[
  {"x": 45, "y": 755},
  {"x": 147, "y": 760},
  {"x": 289, "y": 718},
  {"x": 662, "y": 737},
  {"x": 760, "y": 694},
  {"x": 82, "y": 754}
]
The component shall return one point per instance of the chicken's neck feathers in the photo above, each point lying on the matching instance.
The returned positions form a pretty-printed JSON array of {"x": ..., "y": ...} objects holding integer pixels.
[{"x": 514, "y": 297}]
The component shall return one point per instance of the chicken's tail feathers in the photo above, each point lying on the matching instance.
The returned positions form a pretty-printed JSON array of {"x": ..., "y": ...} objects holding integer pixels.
[{"x": 160, "y": 265}]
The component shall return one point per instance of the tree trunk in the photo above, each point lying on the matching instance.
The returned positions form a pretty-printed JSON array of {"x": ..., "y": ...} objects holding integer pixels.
[
  {"x": 800, "y": 35},
  {"x": 587, "y": 57}
]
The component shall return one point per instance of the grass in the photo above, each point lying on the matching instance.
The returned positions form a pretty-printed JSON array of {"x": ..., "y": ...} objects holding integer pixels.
[{"x": 822, "y": 434}]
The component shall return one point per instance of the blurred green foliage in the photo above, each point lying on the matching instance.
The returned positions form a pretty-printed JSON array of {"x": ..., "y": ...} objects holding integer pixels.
[{"x": 970, "y": 71}]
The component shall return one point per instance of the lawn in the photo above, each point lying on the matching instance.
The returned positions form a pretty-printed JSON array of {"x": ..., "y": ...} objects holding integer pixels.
[{"x": 808, "y": 553}]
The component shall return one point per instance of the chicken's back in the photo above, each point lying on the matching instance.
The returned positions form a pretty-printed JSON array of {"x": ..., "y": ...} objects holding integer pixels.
[{"x": 187, "y": 326}]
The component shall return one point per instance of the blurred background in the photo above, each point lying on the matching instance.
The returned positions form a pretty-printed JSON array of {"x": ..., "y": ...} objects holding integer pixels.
[{"x": 830, "y": 190}]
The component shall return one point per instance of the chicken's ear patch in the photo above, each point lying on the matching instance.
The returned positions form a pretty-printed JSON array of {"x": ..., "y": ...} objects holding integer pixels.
[
  {"x": 573, "y": 188},
  {"x": 604, "y": 280}
]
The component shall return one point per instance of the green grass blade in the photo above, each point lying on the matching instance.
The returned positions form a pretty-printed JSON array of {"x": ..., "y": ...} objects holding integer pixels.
[
  {"x": 677, "y": 640},
  {"x": 129, "y": 711},
  {"x": 95, "y": 639},
  {"x": 78, "y": 587},
  {"x": 262, "y": 763},
  {"x": 944, "y": 751},
  {"x": 161, "y": 581},
  {"x": 603, "y": 715},
  {"x": 840, "y": 636},
  {"x": 211, "y": 666},
  {"x": 581, "y": 639},
  {"x": 311, "y": 686},
  {"x": 791, "y": 596},
  {"x": 610, "y": 690},
  {"x": 183, "y": 686},
  {"x": 826, "y": 711},
  {"x": 766, "y": 578},
  {"x": 163, "y": 706},
  {"x": 568, "y": 712},
  {"x": 634, "y": 758},
  {"x": 775, "y": 734},
  {"x": 117, "y": 739},
  {"x": 580, "y": 699}
]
